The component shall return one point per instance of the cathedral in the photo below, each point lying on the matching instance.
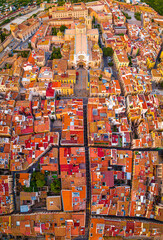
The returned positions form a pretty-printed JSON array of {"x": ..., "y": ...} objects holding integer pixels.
[{"x": 81, "y": 47}]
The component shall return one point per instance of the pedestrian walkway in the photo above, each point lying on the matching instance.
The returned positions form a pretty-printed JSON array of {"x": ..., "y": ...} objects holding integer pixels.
[{"x": 80, "y": 88}]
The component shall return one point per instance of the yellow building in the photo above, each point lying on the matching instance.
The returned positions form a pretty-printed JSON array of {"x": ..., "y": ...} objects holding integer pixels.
[
  {"x": 75, "y": 10},
  {"x": 64, "y": 89},
  {"x": 61, "y": 72},
  {"x": 120, "y": 59},
  {"x": 161, "y": 55},
  {"x": 13, "y": 26},
  {"x": 65, "y": 79},
  {"x": 150, "y": 62},
  {"x": 160, "y": 67},
  {"x": 33, "y": 77},
  {"x": 60, "y": 21},
  {"x": 101, "y": 16}
]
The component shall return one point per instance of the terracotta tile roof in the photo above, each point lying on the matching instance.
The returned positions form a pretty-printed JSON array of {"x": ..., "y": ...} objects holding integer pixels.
[
  {"x": 73, "y": 177},
  {"x": 33, "y": 224},
  {"x": 107, "y": 196},
  {"x": 53, "y": 203},
  {"x": 71, "y": 112},
  {"x": 106, "y": 121},
  {"x": 6, "y": 195}
]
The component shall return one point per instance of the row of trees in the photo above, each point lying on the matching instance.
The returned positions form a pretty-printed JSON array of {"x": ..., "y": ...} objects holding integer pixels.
[
  {"x": 6, "y": 21},
  {"x": 23, "y": 54},
  {"x": 126, "y": 15},
  {"x": 3, "y": 36}
]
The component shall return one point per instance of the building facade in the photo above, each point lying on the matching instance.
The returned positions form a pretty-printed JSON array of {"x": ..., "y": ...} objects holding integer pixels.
[{"x": 75, "y": 10}]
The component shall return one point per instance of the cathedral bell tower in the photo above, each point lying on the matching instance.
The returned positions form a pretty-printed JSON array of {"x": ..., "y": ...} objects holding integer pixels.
[{"x": 88, "y": 22}]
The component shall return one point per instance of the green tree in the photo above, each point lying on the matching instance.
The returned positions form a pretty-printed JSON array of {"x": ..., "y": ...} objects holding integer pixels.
[
  {"x": 8, "y": 66},
  {"x": 126, "y": 15},
  {"x": 99, "y": 43},
  {"x": 56, "y": 186},
  {"x": 120, "y": 34},
  {"x": 137, "y": 15},
  {"x": 54, "y": 31},
  {"x": 24, "y": 54},
  {"x": 62, "y": 28},
  {"x": 29, "y": 45},
  {"x": 161, "y": 85},
  {"x": 27, "y": 189},
  {"x": 110, "y": 64},
  {"x": 56, "y": 54},
  {"x": 40, "y": 183},
  {"x": 138, "y": 52},
  {"x": 39, "y": 176},
  {"x": 100, "y": 77},
  {"x": 108, "y": 52},
  {"x": 61, "y": 2},
  {"x": 2, "y": 36},
  {"x": 36, "y": 176},
  {"x": 130, "y": 61}
]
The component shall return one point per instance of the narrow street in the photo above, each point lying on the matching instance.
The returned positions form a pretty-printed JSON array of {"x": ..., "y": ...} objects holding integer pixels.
[
  {"x": 88, "y": 180},
  {"x": 158, "y": 56}
]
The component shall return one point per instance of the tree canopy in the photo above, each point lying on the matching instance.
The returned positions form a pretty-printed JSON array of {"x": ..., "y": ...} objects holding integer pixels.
[
  {"x": 56, "y": 186},
  {"x": 37, "y": 181},
  {"x": 56, "y": 54},
  {"x": 54, "y": 31},
  {"x": 62, "y": 28},
  {"x": 137, "y": 15},
  {"x": 40, "y": 183},
  {"x": 108, "y": 52}
]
